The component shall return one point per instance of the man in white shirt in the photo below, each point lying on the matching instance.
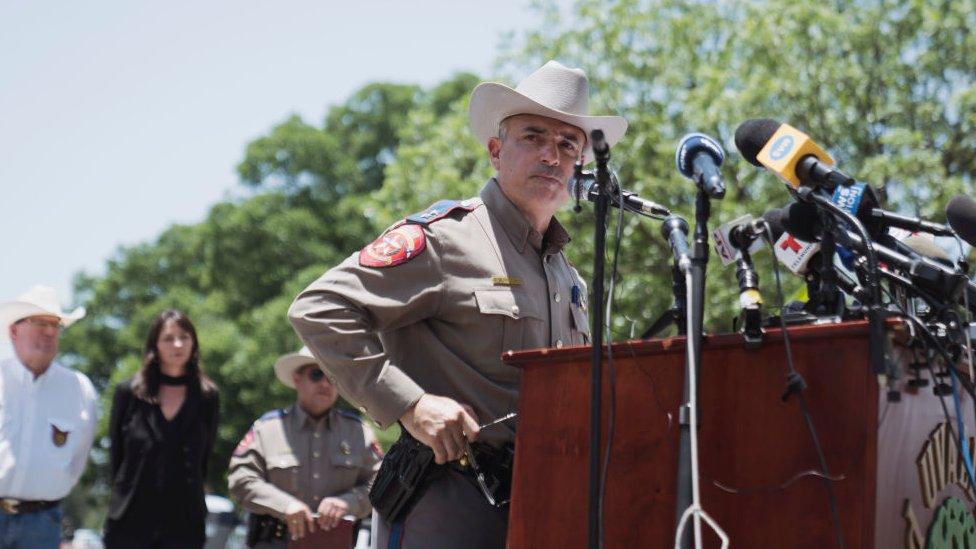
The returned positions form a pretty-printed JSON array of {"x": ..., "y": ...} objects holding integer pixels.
[{"x": 47, "y": 421}]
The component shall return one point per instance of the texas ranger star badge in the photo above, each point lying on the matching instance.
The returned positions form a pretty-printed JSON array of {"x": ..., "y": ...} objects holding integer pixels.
[{"x": 58, "y": 436}]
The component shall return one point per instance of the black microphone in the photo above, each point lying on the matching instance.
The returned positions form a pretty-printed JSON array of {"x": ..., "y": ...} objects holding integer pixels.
[
  {"x": 601, "y": 150},
  {"x": 742, "y": 236},
  {"x": 581, "y": 186},
  {"x": 698, "y": 158},
  {"x": 913, "y": 224},
  {"x": 789, "y": 153},
  {"x": 961, "y": 213},
  {"x": 675, "y": 231},
  {"x": 927, "y": 274}
]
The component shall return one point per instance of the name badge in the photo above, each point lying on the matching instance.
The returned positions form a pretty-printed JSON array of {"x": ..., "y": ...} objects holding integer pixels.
[{"x": 505, "y": 281}]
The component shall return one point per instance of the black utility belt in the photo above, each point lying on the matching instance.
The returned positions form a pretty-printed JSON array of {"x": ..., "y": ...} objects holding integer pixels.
[
  {"x": 13, "y": 506},
  {"x": 265, "y": 528},
  {"x": 409, "y": 468}
]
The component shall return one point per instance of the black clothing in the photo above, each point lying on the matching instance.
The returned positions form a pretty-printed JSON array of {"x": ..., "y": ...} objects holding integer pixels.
[{"x": 158, "y": 468}]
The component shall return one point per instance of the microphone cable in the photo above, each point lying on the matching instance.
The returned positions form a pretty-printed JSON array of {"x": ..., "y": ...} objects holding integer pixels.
[
  {"x": 795, "y": 385},
  {"x": 963, "y": 444}
]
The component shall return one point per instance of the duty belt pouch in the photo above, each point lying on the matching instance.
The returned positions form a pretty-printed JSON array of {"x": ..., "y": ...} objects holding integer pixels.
[{"x": 406, "y": 472}]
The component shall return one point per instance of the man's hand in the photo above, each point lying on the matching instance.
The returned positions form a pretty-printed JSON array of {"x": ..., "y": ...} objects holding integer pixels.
[
  {"x": 298, "y": 516},
  {"x": 441, "y": 423},
  {"x": 331, "y": 511}
]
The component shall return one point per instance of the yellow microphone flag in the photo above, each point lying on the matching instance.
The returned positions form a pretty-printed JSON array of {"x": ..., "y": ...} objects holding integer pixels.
[{"x": 785, "y": 149}]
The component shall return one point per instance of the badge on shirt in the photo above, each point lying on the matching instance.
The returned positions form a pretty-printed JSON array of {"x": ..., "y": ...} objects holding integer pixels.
[
  {"x": 506, "y": 281},
  {"x": 345, "y": 448},
  {"x": 245, "y": 443},
  {"x": 398, "y": 245},
  {"x": 58, "y": 436}
]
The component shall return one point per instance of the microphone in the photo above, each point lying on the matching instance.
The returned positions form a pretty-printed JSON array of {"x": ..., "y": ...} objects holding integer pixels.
[
  {"x": 581, "y": 186},
  {"x": 923, "y": 272},
  {"x": 910, "y": 224},
  {"x": 698, "y": 158},
  {"x": 922, "y": 243},
  {"x": 789, "y": 153},
  {"x": 961, "y": 213},
  {"x": 601, "y": 149},
  {"x": 675, "y": 231},
  {"x": 734, "y": 236}
]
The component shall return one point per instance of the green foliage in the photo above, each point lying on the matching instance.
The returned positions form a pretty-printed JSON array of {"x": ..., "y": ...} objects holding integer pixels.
[{"x": 887, "y": 85}]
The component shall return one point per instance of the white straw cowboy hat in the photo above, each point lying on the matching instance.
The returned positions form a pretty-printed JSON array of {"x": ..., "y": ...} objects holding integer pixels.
[
  {"x": 553, "y": 91},
  {"x": 38, "y": 301},
  {"x": 287, "y": 364}
]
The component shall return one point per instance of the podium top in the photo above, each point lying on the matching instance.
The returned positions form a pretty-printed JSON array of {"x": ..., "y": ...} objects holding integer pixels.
[{"x": 856, "y": 329}]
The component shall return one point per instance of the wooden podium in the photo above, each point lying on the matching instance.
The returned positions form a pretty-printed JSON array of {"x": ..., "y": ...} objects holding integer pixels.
[{"x": 893, "y": 465}]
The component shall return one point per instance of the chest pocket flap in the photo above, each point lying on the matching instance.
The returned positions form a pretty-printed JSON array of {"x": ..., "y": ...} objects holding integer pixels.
[
  {"x": 282, "y": 461},
  {"x": 505, "y": 302}
]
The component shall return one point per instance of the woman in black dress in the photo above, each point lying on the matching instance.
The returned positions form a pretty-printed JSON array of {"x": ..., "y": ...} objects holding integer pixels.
[{"x": 162, "y": 428}]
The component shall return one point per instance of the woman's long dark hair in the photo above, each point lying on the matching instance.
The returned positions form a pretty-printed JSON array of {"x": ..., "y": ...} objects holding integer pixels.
[{"x": 145, "y": 384}]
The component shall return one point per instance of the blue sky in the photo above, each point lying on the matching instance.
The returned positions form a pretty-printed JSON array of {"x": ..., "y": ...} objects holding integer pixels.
[{"x": 119, "y": 118}]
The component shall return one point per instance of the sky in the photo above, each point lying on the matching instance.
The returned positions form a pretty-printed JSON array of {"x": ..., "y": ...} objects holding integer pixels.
[{"x": 120, "y": 118}]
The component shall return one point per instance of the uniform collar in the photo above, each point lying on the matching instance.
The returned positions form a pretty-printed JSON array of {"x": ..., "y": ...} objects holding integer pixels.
[
  {"x": 304, "y": 421},
  {"x": 517, "y": 227}
]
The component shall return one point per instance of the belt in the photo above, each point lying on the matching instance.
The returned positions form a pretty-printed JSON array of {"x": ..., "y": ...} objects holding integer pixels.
[{"x": 13, "y": 506}]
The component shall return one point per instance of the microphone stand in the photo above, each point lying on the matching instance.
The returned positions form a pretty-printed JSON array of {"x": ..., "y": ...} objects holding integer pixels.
[
  {"x": 677, "y": 314},
  {"x": 603, "y": 185},
  {"x": 696, "y": 309}
]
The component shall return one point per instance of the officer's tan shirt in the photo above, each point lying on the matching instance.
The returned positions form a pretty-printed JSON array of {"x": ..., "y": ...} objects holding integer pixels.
[
  {"x": 288, "y": 455},
  {"x": 440, "y": 322}
]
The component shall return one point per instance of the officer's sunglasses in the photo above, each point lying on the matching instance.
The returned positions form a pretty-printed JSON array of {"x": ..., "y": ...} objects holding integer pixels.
[{"x": 314, "y": 373}]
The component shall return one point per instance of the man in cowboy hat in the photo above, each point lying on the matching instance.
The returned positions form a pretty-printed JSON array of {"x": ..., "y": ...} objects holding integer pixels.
[
  {"x": 308, "y": 459},
  {"x": 413, "y": 327},
  {"x": 48, "y": 413}
]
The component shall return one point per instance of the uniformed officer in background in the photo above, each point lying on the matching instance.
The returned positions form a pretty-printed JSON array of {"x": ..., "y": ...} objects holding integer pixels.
[
  {"x": 413, "y": 327},
  {"x": 308, "y": 459}
]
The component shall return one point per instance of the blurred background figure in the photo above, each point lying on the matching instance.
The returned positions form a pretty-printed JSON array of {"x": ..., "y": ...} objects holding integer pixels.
[
  {"x": 162, "y": 428},
  {"x": 305, "y": 467},
  {"x": 47, "y": 413}
]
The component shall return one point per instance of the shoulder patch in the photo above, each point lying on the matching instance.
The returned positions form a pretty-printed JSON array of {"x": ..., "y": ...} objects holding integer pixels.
[
  {"x": 440, "y": 209},
  {"x": 350, "y": 414},
  {"x": 397, "y": 245},
  {"x": 376, "y": 449},
  {"x": 245, "y": 443},
  {"x": 274, "y": 414}
]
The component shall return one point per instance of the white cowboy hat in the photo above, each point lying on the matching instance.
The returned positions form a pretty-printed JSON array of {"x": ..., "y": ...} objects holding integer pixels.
[
  {"x": 287, "y": 364},
  {"x": 553, "y": 91},
  {"x": 38, "y": 301}
]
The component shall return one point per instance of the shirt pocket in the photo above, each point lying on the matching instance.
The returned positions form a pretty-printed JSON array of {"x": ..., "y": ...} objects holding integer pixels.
[
  {"x": 346, "y": 468},
  {"x": 283, "y": 472},
  {"x": 518, "y": 318}
]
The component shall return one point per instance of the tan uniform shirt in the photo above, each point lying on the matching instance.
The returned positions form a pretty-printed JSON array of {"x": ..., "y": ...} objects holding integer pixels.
[
  {"x": 288, "y": 455},
  {"x": 440, "y": 322}
]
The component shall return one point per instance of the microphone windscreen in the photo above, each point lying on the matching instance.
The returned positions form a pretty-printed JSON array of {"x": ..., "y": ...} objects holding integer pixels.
[
  {"x": 961, "y": 213},
  {"x": 801, "y": 221},
  {"x": 774, "y": 218},
  {"x": 752, "y": 135}
]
